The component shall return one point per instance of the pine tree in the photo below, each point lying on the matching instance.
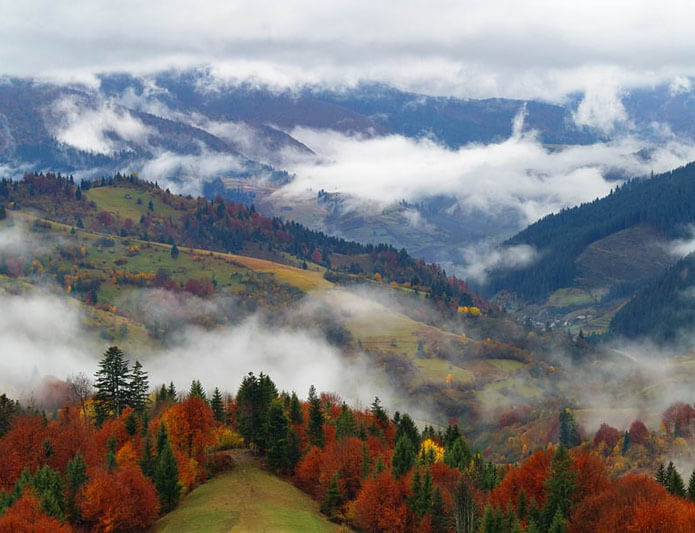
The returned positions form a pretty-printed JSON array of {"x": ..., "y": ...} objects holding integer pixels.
[
  {"x": 406, "y": 427},
  {"x": 148, "y": 460},
  {"x": 217, "y": 406},
  {"x": 276, "y": 436},
  {"x": 294, "y": 452},
  {"x": 560, "y": 488},
  {"x": 333, "y": 499},
  {"x": 174, "y": 251},
  {"x": 569, "y": 435},
  {"x": 421, "y": 502},
  {"x": 660, "y": 475},
  {"x": 458, "y": 455},
  {"x": 75, "y": 477},
  {"x": 345, "y": 423},
  {"x": 439, "y": 518},
  {"x": 49, "y": 488},
  {"x": 172, "y": 391},
  {"x": 131, "y": 423},
  {"x": 521, "y": 505},
  {"x": 674, "y": 481},
  {"x": 111, "y": 463},
  {"x": 162, "y": 438},
  {"x": 559, "y": 524},
  {"x": 296, "y": 416},
  {"x": 626, "y": 443},
  {"x": 403, "y": 457},
  {"x": 166, "y": 478},
  {"x": 197, "y": 390},
  {"x": 316, "y": 419},
  {"x": 691, "y": 487},
  {"x": 112, "y": 385},
  {"x": 253, "y": 401},
  {"x": 139, "y": 389},
  {"x": 379, "y": 414}
]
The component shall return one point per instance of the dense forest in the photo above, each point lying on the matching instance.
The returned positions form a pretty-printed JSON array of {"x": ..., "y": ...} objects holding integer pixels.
[
  {"x": 664, "y": 202},
  {"x": 663, "y": 310},
  {"x": 119, "y": 453}
]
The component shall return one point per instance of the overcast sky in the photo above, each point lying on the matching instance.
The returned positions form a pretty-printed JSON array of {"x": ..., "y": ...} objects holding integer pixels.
[{"x": 528, "y": 48}]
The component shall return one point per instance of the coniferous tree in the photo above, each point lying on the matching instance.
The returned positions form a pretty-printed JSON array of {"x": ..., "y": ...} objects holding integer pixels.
[
  {"x": 560, "y": 488},
  {"x": 296, "y": 416},
  {"x": 148, "y": 461},
  {"x": 172, "y": 391},
  {"x": 333, "y": 499},
  {"x": 660, "y": 475},
  {"x": 217, "y": 406},
  {"x": 559, "y": 524},
  {"x": 166, "y": 478},
  {"x": 422, "y": 493},
  {"x": 465, "y": 510},
  {"x": 569, "y": 435},
  {"x": 626, "y": 443},
  {"x": 174, "y": 251},
  {"x": 139, "y": 389},
  {"x": 316, "y": 419},
  {"x": 197, "y": 390},
  {"x": 404, "y": 455},
  {"x": 674, "y": 481},
  {"x": 276, "y": 436},
  {"x": 111, "y": 463},
  {"x": 379, "y": 414},
  {"x": 345, "y": 423},
  {"x": 406, "y": 427},
  {"x": 294, "y": 451},
  {"x": 438, "y": 512},
  {"x": 162, "y": 438},
  {"x": 75, "y": 477},
  {"x": 49, "y": 489},
  {"x": 112, "y": 385},
  {"x": 458, "y": 455},
  {"x": 253, "y": 401},
  {"x": 691, "y": 487}
]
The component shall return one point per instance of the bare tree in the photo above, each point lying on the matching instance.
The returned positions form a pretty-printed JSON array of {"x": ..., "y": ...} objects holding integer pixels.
[{"x": 81, "y": 389}]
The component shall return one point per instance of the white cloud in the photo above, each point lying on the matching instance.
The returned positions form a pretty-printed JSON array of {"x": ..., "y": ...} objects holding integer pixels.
[
  {"x": 467, "y": 48},
  {"x": 88, "y": 128},
  {"x": 518, "y": 173},
  {"x": 601, "y": 108}
]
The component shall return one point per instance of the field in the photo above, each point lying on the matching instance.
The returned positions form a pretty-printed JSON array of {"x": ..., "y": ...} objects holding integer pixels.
[{"x": 246, "y": 499}]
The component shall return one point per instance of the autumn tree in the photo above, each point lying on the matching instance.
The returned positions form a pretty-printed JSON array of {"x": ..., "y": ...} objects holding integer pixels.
[{"x": 26, "y": 515}]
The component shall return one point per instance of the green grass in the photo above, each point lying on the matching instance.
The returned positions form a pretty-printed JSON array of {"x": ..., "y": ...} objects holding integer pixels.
[
  {"x": 570, "y": 298},
  {"x": 245, "y": 499},
  {"x": 113, "y": 199},
  {"x": 507, "y": 365}
]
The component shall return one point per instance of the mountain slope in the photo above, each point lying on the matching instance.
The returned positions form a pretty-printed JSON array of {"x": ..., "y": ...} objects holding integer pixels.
[{"x": 663, "y": 204}]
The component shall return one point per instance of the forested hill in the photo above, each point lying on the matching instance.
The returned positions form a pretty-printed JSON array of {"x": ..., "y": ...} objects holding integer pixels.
[
  {"x": 664, "y": 310},
  {"x": 225, "y": 226},
  {"x": 665, "y": 203}
]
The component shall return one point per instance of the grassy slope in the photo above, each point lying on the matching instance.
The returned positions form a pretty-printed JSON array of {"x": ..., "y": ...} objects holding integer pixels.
[{"x": 246, "y": 499}]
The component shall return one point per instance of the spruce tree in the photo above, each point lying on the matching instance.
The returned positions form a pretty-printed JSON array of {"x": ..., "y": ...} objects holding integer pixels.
[
  {"x": 49, "y": 489},
  {"x": 626, "y": 443},
  {"x": 276, "y": 436},
  {"x": 458, "y": 455},
  {"x": 139, "y": 389},
  {"x": 75, "y": 477},
  {"x": 294, "y": 452},
  {"x": 569, "y": 435},
  {"x": 403, "y": 457},
  {"x": 197, "y": 390},
  {"x": 253, "y": 401},
  {"x": 691, "y": 487},
  {"x": 379, "y": 414},
  {"x": 148, "y": 460},
  {"x": 406, "y": 427},
  {"x": 660, "y": 475},
  {"x": 674, "y": 481},
  {"x": 559, "y": 524},
  {"x": 162, "y": 438},
  {"x": 217, "y": 406},
  {"x": 174, "y": 251},
  {"x": 345, "y": 423},
  {"x": 438, "y": 512},
  {"x": 316, "y": 419},
  {"x": 333, "y": 499},
  {"x": 111, "y": 463},
  {"x": 112, "y": 385},
  {"x": 296, "y": 416},
  {"x": 559, "y": 488},
  {"x": 166, "y": 478}
]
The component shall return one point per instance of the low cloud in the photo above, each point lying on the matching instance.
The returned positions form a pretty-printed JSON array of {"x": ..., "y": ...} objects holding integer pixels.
[
  {"x": 101, "y": 128},
  {"x": 479, "y": 260},
  {"x": 518, "y": 174}
]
